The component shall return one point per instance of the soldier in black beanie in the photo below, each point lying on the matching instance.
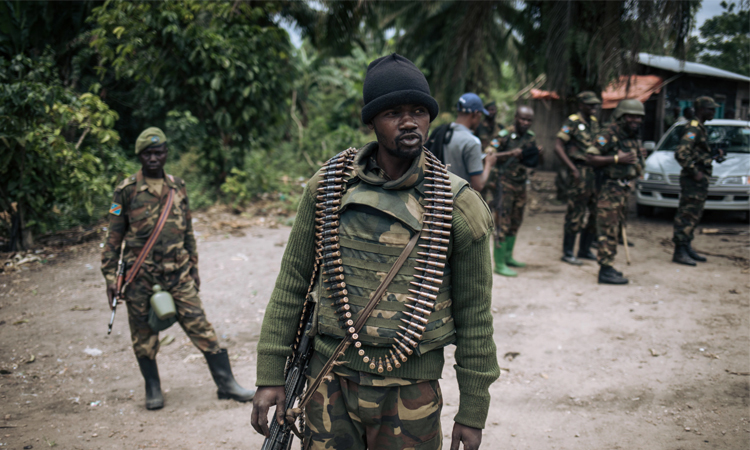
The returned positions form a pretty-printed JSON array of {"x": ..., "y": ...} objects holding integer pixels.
[{"x": 378, "y": 349}]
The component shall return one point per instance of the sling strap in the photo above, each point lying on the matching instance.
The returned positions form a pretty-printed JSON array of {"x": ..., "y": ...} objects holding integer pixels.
[{"x": 146, "y": 250}]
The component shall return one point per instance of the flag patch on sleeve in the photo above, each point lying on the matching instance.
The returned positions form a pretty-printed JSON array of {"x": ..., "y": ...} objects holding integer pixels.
[
  {"x": 565, "y": 129},
  {"x": 115, "y": 209},
  {"x": 690, "y": 136},
  {"x": 601, "y": 140}
]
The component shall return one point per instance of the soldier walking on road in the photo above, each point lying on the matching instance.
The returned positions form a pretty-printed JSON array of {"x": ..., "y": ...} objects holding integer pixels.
[
  {"x": 696, "y": 160},
  {"x": 573, "y": 139},
  {"x": 618, "y": 151},
  {"x": 172, "y": 264},
  {"x": 516, "y": 152},
  {"x": 365, "y": 208}
]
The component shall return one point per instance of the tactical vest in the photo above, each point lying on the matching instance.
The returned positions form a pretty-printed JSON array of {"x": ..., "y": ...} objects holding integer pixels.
[{"x": 375, "y": 224}]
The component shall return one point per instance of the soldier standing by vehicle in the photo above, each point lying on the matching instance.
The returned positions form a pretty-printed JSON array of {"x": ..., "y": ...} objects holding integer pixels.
[
  {"x": 575, "y": 136},
  {"x": 516, "y": 151},
  {"x": 618, "y": 151},
  {"x": 359, "y": 213},
  {"x": 172, "y": 264},
  {"x": 694, "y": 155}
]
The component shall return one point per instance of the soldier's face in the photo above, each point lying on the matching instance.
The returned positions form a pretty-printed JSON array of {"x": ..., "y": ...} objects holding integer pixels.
[
  {"x": 706, "y": 113},
  {"x": 492, "y": 110},
  {"x": 524, "y": 119},
  {"x": 401, "y": 130},
  {"x": 153, "y": 160},
  {"x": 632, "y": 121},
  {"x": 587, "y": 108}
]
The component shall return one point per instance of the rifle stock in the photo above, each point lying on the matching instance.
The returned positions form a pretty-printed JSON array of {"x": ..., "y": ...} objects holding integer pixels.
[
  {"x": 118, "y": 293},
  {"x": 280, "y": 436}
]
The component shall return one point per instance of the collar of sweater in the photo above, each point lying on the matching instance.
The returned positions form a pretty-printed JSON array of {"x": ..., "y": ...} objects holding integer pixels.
[{"x": 411, "y": 178}]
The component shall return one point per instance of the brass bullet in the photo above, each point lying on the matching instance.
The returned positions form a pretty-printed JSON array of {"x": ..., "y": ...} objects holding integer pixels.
[
  {"x": 440, "y": 208},
  {"x": 431, "y": 255},
  {"x": 438, "y": 216},
  {"x": 438, "y": 248},
  {"x": 422, "y": 311},
  {"x": 335, "y": 254},
  {"x": 352, "y": 331},
  {"x": 339, "y": 269},
  {"x": 440, "y": 194},
  {"x": 335, "y": 279},
  {"x": 333, "y": 187},
  {"x": 388, "y": 365},
  {"x": 439, "y": 224},
  {"x": 348, "y": 323},
  {"x": 424, "y": 294},
  {"x": 339, "y": 294},
  {"x": 407, "y": 339},
  {"x": 327, "y": 196},
  {"x": 357, "y": 344},
  {"x": 335, "y": 262},
  {"x": 431, "y": 263},
  {"x": 330, "y": 239},
  {"x": 411, "y": 332},
  {"x": 437, "y": 186},
  {"x": 333, "y": 287},
  {"x": 428, "y": 279},
  {"x": 366, "y": 359},
  {"x": 417, "y": 318},
  {"x": 425, "y": 286},
  {"x": 438, "y": 232},
  {"x": 395, "y": 360},
  {"x": 436, "y": 200},
  {"x": 380, "y": 365},
  {"x": 372, "y": 365},
  {"x": 422, "y": 302},
  {"x": 341, "y": 301},
  {"x": 361, "y": 352},
  {"x": 344, "y": 308},
  {"x": 404, "y": 347}
]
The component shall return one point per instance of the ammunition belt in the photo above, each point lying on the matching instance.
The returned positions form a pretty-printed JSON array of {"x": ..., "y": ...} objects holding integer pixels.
[{"x": 434, "y": 238}]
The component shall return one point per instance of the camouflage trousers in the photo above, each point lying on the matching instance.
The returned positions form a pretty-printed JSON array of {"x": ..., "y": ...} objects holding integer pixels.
[
  {"x": 692, "y": 200},
  {"x": 508, "y": 220},
  {"x": 610, "y": 207},
  {"x": 190, "y": 314},
  {"x": 581, "y": 195},
  {"x": 357, "y": 411}
]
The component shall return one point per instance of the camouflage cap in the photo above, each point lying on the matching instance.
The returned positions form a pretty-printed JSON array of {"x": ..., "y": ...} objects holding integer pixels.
[
  {"x": 589, "y": 98},
  {"x": 705, "y": 102},
  {"x": 150, "y": 136}
]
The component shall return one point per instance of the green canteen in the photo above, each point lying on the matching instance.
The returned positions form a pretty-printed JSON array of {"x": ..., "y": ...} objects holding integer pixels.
[{"x": 162, "y": 303}]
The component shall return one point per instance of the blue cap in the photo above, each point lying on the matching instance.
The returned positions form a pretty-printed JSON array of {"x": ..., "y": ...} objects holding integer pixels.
[{"x": 469, "y": 103}]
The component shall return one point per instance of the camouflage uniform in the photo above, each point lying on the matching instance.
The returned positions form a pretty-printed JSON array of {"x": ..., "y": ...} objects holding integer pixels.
[
  {"x": 613, "y": 195},
  {"x": 694, "y": 155},
  {"x": 356, "y": 406},
  {"x": 581, "y": 194},
  {"x": 488, "y": 130},
  {"x": 135, "y": 209},
  {"x": 511, "y": 176}
]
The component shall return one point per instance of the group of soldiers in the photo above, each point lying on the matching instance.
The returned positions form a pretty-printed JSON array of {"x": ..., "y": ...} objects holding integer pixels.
[
  {"x": 389, "y": 259},
  {"x": 601, "y": 163}
]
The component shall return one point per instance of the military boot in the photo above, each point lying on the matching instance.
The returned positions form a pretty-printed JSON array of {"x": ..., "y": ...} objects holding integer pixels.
[
  {"x": 681, "y": 255},
  {"x": 150, "y": 372},
  {"x": 608, "y": 275},
  {"x": 691, "y": 253},
  {"x": 501, "y": 267},
  {"x": 221, "y": 371},
  {"x": 569, "y": 242},
  {"x": 584, "y": 249},
  {"x": 511, "y": 241}
]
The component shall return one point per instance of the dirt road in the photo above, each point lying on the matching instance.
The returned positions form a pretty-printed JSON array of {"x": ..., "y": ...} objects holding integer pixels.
[{"x": 662, "y": 363}]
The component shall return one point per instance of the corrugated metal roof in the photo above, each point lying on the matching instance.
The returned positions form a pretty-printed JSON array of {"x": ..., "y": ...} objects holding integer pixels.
[{"x": 677, "y": 66}]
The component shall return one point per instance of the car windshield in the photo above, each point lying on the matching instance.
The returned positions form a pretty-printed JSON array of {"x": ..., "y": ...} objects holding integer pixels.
[{"x": 732, "y": 139}]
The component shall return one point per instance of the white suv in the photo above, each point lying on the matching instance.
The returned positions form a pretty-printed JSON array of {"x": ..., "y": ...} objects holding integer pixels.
[{"x": 729, "y": 185}]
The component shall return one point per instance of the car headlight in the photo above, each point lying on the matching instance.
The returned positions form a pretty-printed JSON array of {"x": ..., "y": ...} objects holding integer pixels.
[
  {"x": 736, "y": 180},
  {"x": 651, "y": 176}
]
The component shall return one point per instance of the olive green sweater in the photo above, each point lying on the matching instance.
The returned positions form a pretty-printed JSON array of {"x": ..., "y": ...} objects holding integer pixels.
[{"x": 471, "y": 284}]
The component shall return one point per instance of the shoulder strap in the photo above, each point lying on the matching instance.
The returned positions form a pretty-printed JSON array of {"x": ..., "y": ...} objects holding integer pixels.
[{"x": 154, "y": 236}]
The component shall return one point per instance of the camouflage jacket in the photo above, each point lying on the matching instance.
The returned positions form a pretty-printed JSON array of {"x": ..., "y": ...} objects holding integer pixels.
[
  {"x": 133, "y": 215},
  {"x": 510, "y": 169},
  {"x": 578, "y": 136},
  {"x": 693, "y": 153},
  {"x": 613, "y": 139}
]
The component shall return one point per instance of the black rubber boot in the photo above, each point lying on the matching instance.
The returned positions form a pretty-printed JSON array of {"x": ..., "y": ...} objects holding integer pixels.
[
  {"x": 221, "y": 371},
  {"x": 681, "y": 255},
  {"x": 569, "y": 242},
  {"x": 691, "y": 253},
  {"x": 150, "y": 372},
  {"x": 584, "y": 249},
  {"x": 608, "y": 275}
]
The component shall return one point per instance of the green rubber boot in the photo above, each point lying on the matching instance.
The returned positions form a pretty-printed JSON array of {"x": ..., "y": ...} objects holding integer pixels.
[
  {"x": 511, "y": 242},
  {"x": 500, "y": 266}
]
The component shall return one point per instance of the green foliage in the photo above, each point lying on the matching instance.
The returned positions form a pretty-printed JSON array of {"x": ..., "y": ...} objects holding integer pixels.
[
  {"x": 725, "y": 39},
  {"x": 225, "y": 63},
  {"x": 60, "y": 155}
]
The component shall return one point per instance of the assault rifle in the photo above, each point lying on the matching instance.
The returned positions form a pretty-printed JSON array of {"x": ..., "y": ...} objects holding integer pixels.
[
  {"x": 118, "y": 292},
  {"x": 280, "y": 436}
]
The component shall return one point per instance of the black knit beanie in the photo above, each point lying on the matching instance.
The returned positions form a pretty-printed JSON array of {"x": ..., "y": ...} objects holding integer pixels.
[{"x": 394, "y": 80}]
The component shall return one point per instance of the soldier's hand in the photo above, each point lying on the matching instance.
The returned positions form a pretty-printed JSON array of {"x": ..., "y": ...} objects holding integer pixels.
[
  {"x": 490, "y": 159},
  {"x": 265, "y": 397},
  {"x": 516, "y": 152},
  {"x": 471, "y": 437},
  {"x": 111, "y": 293},
  {"x": 698, "y": 176},
  {"x": 576, "y": 173},
  {"x": 626, "y": 158}
]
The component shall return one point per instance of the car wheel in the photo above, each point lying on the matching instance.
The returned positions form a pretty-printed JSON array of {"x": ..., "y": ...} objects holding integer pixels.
[{"x": 644, "y": 210}]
